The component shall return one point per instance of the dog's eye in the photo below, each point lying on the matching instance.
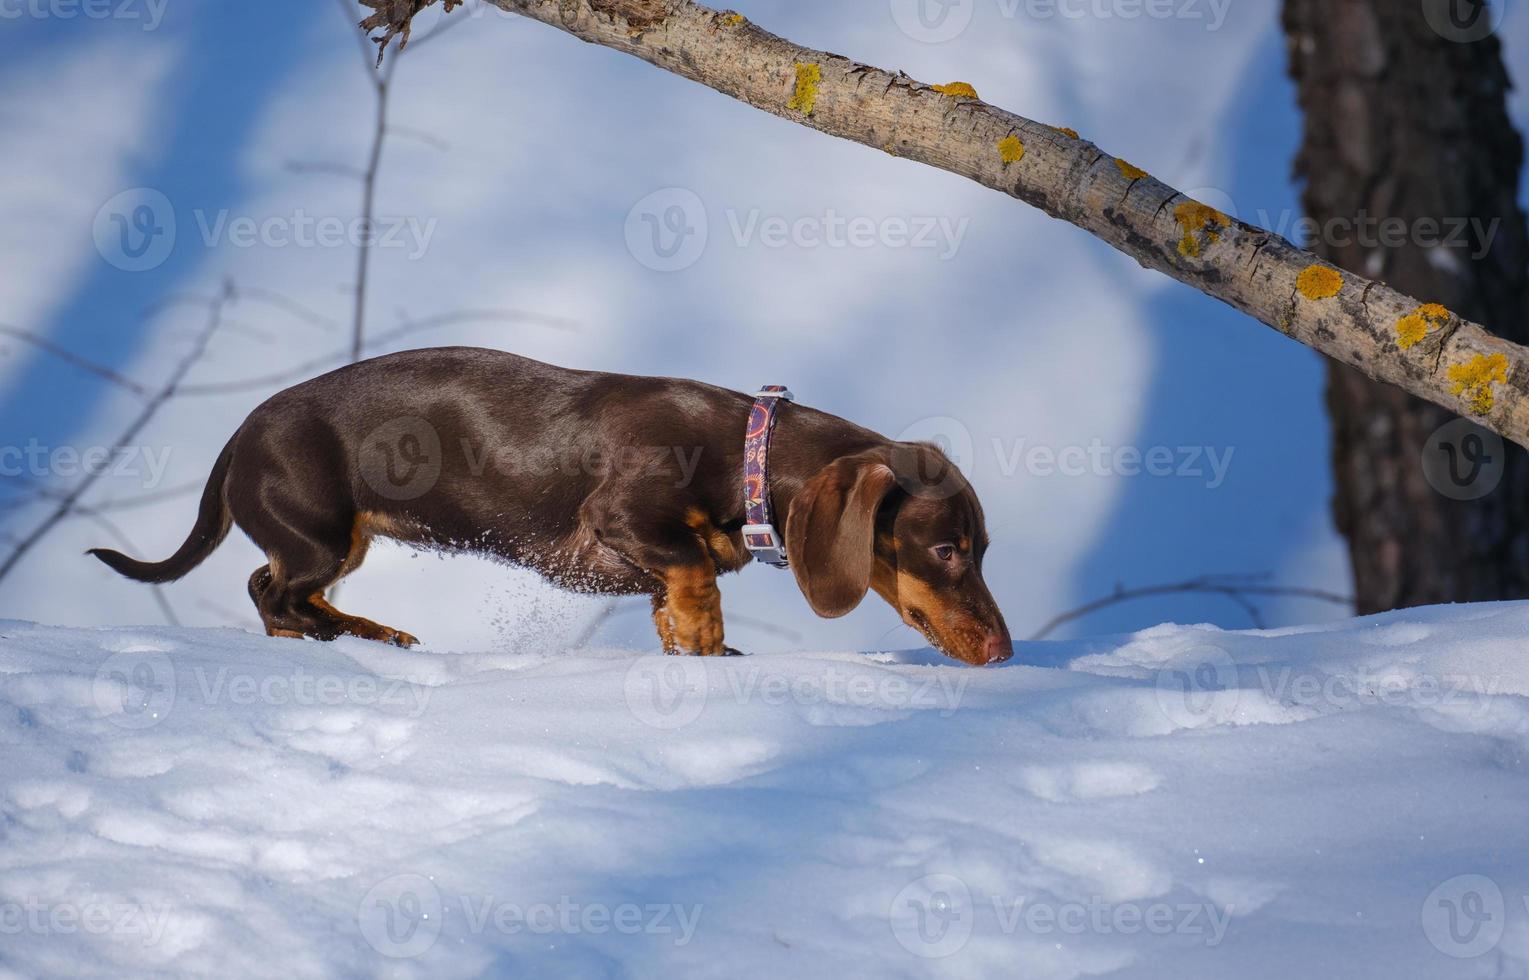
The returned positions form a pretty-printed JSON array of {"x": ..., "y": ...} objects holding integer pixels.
[{"x": 945, "y": 552}]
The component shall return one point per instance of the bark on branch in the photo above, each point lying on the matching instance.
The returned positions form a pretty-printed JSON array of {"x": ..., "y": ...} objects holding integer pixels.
[{"x": 1412, "y": 343}]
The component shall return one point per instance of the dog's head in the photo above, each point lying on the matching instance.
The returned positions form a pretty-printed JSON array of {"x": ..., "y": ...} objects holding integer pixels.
[{"x": 900, "y": 519}]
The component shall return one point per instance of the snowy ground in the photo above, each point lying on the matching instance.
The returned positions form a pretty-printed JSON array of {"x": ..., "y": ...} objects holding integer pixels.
[{"x": 1343, "y": 801}]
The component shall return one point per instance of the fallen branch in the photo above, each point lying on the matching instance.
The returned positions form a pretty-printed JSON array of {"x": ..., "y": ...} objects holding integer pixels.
[{"x": 1422, "y": 348}]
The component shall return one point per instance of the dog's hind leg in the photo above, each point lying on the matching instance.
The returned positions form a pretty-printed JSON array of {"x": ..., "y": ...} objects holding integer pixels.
[{"x": 289, "y": 592}]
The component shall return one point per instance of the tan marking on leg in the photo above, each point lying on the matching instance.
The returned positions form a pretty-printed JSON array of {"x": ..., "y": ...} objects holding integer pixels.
[
  {"x": 364, "y": 628},
  {"x": 694, "y": 609},
  {"x": 360, "y": 541},
  {"x": 664, "y": 626}
]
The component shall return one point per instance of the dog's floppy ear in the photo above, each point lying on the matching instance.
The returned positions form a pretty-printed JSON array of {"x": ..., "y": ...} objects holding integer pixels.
[{"x": 830, "y": 532}]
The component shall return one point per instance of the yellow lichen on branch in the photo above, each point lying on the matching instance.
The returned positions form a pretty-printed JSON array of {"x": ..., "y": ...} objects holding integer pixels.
[
  {"x": 957, "y": 90},
  {"x": 1131, "y": 171},
  {"x": 1412, "y": 328},
  {"x": 1319, "y": 282},
  {"x": 1199, "y": 220},
  {"x": 1474, "y": 379},
  {"x": 1011, "y": 149},
  {"x": 809, "y": 76}
]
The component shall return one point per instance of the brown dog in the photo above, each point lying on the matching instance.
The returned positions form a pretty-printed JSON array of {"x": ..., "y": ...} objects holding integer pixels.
[{"x": 603, "y": 483}]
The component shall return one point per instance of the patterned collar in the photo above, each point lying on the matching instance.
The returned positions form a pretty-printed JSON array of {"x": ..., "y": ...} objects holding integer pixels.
[{"x": 759, "y": 535}]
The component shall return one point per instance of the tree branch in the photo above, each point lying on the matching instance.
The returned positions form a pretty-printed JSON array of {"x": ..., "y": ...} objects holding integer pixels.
[
  {"x": 69, "y": 357},
  {"x": 1456, "y": 364},
  {"x": 68, "y": 502},
  {"x": 307, "y": 368},
  {"x": 1238, "y": 589}
]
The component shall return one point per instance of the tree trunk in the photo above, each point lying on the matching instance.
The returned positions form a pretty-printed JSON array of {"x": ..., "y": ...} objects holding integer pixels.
[
  {"x": 1406, "y": 124},
  {"x": 1427, "y": 350}
]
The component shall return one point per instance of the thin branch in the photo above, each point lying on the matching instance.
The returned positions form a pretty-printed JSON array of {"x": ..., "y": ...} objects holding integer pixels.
[
  {"x": 67, "y": 504},
  {"x": 368, "y": 214},
  {"x": 282, "y": 301},
  {"x": 442, "y": 25},
  {"x": 145, "y": 499},
  {"x": 305, "y": 168},
  {"x": 419, "y": 135},
  {"x": 69, "y": 357},
  {"x": 308, "y": 368},
  {"x": 1238, "y": 589}
]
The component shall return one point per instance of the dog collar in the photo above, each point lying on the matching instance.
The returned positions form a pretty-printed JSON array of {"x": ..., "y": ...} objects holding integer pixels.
[{"x": 759, "y": 535}]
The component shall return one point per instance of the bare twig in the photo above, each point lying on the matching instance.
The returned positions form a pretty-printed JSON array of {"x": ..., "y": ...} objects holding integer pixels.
[
  {"x": 305, "y": 168},
  {"x": 380, "y": 82},
  {"x": 145, "y": 499},
  {"x": 282, "y": 301},
  {"x": 68, "y": 502},
  {"x": 69, "y": 357},
  {"x": 1238, "y": 589},
  {"x": 308, "y": 368}
]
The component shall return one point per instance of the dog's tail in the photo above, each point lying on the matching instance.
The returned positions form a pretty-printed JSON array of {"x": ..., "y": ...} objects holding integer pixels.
[{"x": 212, "y": 523}]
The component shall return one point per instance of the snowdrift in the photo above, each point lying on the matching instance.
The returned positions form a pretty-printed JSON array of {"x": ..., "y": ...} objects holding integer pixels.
[{"x": 1184, "y": 802}]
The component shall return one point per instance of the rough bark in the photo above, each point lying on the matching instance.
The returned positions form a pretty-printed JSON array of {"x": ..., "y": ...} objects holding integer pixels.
[
  {"x": 1457, "y": 364},
  {"x": 1404, "y": 123}
]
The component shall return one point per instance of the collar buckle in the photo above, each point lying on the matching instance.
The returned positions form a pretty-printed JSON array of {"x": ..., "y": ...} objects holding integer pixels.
[{"x": 765, "y": 544}]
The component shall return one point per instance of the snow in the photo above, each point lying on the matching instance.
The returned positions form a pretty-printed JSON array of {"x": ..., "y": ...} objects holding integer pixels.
[{"x": 1346, "y": 800}]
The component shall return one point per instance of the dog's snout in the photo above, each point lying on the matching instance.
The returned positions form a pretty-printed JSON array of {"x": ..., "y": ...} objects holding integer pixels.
[{"x": 997, "y": 649}]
